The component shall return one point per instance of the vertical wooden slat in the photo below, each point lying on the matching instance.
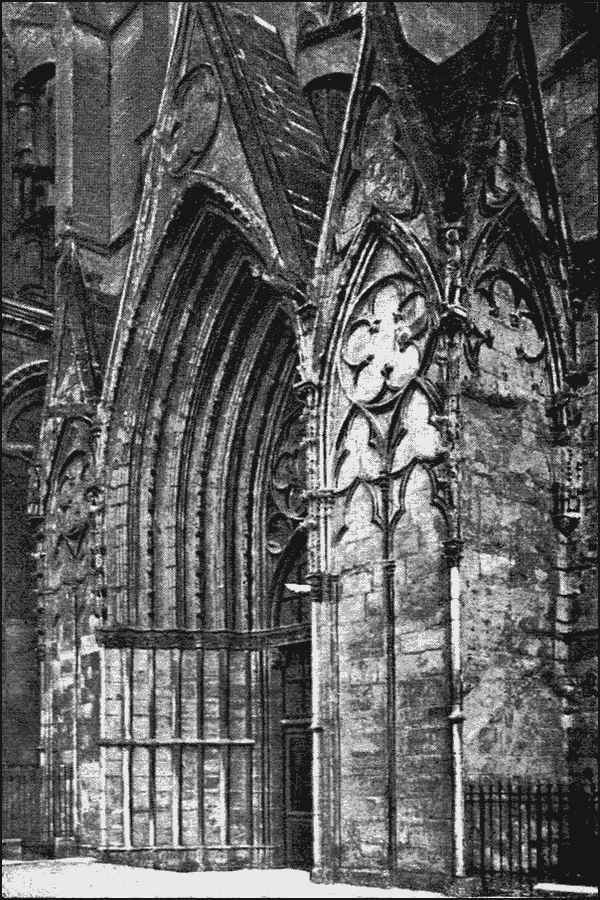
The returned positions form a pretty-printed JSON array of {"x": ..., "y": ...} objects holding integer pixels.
[
  {"x": 520, "y": 830},
  {"x": 482, "y": 837},
  {"x": 549, "y": 825},
  {"x": 491, "y": 829},
  {"x": 152, "y": 751},
  {"x": 560, "y": 828},
  {"x": 200, "y": 733},
  {"x": 128, "y": 664},
  {"x": 500, "y": 826},
  {"x": 528, "y": 814},
  {"x": 225, "y": 728},
  {"x": 177, "y": 753},
  {"x": 540, "y": 868},
  {"x": 248, "y": 761},
  {"x": 510, "y": 827}
]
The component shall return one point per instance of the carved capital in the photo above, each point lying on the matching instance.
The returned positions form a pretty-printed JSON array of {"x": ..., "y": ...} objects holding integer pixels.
[
  {"x": 307, "y": 393},
  {"x": 454, "y": 320},
  {"x": 192, "y": 123},
  {"x": 564, "y": 412},
  {"x": 567, "y": 489}
]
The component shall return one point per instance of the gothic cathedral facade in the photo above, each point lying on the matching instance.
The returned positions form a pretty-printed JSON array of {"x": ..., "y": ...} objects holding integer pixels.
[{"x": 300, "y": 422}]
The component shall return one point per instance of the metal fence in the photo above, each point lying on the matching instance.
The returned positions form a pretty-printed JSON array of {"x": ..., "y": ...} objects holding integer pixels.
[
  {"x": 37, "y": 805},
  {"x": 523, "y": 832}
]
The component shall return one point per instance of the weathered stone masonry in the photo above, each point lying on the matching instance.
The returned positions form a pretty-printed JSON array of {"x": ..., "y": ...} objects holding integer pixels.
[{"x": 313, "y": 497}]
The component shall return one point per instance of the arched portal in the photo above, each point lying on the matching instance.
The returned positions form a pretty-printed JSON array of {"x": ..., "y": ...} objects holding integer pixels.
[
  {"x": 22, "y": 400},
  {"x": 205, "y": 533}
]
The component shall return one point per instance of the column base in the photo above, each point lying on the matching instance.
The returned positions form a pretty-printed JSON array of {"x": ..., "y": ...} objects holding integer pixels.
[{"x": 464, "y": 886}]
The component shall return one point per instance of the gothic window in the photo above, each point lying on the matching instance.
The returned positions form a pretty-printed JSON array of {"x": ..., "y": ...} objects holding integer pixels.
[{"x": 34, "y": 141}]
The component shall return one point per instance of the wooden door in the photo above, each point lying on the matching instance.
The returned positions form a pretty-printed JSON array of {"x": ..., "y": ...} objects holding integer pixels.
[{"x": 298, "y": 796}]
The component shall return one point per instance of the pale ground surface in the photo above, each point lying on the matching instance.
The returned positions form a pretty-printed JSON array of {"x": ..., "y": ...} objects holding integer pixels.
[{"x": 87, "y": 878}]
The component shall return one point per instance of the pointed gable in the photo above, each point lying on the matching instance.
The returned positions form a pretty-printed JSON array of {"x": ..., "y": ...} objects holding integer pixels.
[
  {"x": 387, "y": 160},
  {"x": 75, "y": 371},
  {"x": 283, "y": 142},
  {"x": 450, "y": 137}
]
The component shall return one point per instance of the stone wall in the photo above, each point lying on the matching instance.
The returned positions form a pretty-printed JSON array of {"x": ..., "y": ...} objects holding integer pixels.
[{"x": 163, "y": 679}]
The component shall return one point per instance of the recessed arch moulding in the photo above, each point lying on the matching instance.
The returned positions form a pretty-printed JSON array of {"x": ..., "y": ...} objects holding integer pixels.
[
  {"x": 441, "y": 444},
  {"x": 359, "y": 434},
  {"x": 204, "y": 524},
  {"x": 235, "y": 465}
]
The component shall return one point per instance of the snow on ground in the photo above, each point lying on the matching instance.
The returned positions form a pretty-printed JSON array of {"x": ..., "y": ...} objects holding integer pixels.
[{"x": 88, "y": 878}]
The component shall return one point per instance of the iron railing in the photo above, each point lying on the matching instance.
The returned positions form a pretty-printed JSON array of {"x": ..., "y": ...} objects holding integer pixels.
[
  {"x": 37, "y": 804},
  {"x": 523, "y": 832}
]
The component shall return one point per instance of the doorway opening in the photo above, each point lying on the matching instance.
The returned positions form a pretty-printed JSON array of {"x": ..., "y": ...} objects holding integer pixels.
[{"x": 296, "y": 755}]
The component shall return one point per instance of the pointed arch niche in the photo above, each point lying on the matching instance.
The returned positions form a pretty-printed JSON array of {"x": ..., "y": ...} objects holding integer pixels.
[
  {"x": 204, "y": 528},
  {"x": 385, "y": 528},
  {"x": 519, "y": 504}
]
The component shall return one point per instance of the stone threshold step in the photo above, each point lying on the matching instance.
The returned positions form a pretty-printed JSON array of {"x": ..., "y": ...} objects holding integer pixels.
[
  {"x": 12, "y": 848},
  {"x": 554, "y": 889}
]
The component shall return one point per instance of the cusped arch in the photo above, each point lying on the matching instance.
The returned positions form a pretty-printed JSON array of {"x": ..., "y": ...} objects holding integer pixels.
[
  {"x": 545, "y": 277},
  {"x": 166, "y": 259},
  {"x": 22, "y": 388},
  {"x": 384, "y": 254}
]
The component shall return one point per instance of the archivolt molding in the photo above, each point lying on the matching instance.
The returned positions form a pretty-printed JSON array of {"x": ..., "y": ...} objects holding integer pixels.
[
  {"x": 183, "y": 365},
  {"x": 199, "y": 198},
  {"x": 18, "y": 389},
  {"x": 382, "y": 337}
]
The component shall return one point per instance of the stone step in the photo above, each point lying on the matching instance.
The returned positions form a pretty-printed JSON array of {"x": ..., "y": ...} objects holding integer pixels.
[
  {"x": 12, "y": 848},
  {"x": 554, "y": 889}
]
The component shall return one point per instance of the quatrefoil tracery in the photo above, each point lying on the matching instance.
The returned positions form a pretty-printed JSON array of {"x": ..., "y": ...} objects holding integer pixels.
[{"x": 382, "y": 348}]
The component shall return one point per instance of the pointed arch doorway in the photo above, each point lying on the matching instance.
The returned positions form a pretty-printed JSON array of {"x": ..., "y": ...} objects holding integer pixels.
[
  {"x": 292, "y": 737},
  {"x": 210, "y": 748},
  {"x": 291, "y": 683}
]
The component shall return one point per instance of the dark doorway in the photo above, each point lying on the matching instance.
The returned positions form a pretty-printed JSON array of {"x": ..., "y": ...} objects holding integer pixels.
[
  {"x": 297, "y": 756},
  {"x": 298, "y": 797}
]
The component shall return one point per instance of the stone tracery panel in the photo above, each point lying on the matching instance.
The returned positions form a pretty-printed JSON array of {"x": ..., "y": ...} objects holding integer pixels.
[
  {"x": 286, "y": 510},
  {"x": 385, "y": 449},
  {"x": 511, "y": 590},
  {"x": 384, "y": 351},
  {"x": 381, "y": 175}
]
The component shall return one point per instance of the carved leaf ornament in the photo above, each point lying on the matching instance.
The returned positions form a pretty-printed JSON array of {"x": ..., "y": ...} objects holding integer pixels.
[
  {"x": 509, "y": 302},
  {"x": 193, "y": 119},
  {"x": 382, "y": 345},
  {"x": 382, "y": 175},
  {"x": 72, "y": 503},
  {"x": 288, "y": 484}
]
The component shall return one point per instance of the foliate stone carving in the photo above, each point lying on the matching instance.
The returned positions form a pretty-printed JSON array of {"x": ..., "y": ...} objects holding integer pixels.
[
  {"x": 74, "y": 485},
  {"x": 385, "y": 402},
  {"x": 383, "y": 177},
  {"x": 568, "y": 486},
  {"x": 192, "y": 122},
  {"x": 506, "y": 152},
  {"x": 289, "y": 479},
  {"x": 383, "y": 343},
  {"x": 508, "y": 296},
  {"x": 314, "y": 15},
  {"x": 287, "y": 506}
]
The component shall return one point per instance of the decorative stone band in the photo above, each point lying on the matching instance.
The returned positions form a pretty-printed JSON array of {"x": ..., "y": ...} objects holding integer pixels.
[
  {"x": 166, "y": 639},
  {"x": 175, "y": 742}
]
